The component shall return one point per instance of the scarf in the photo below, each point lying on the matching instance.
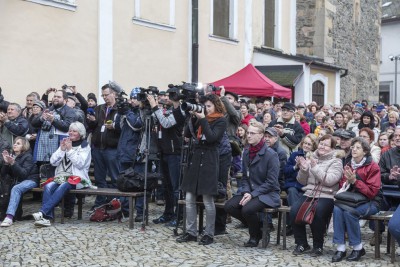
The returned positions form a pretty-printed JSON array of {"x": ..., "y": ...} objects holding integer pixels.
[
  {"x": 355, "y": 165},
  {"x": 210, "y": 118},
  {"x": 253, "y": 150}
]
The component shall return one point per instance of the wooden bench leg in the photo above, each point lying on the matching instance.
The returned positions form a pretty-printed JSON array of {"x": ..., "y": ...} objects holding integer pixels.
[
  {"x": 284, "y": 215},
  {"x": 377, "y": 244},
  {"x": 264, "y": 230},
  {"x": 278, "y": 234},
  {"x": 201, "y": 216},
  {"x": 184, "y": 219},
  {"x": 80, "y": 202},
  {"x": 131, "y": 220},
  {"x": 62, "y": 210},
  {"x": 392, "y": 248}
]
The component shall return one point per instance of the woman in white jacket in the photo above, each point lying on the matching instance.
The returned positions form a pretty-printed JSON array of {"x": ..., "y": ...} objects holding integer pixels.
[{"x": 72, "y": 161}]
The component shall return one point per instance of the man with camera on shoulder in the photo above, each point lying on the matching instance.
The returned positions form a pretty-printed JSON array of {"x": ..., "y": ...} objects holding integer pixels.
[{"x": 169, "y": 134}]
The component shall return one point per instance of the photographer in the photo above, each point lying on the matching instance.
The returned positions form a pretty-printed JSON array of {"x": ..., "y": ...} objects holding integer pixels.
[
  {"x": 105, "y": 139},
  {"x": 201, "y": 176},
  {"x": 170, "y": 142},
  {"x": 129, "y": 122}
]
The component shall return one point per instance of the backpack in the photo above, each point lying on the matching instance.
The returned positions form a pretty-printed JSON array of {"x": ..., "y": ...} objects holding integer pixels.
[
  {"x": 6, "y": 184},
  {"x": 107, "y": 212},
  {"x": 132, "y": 181}
]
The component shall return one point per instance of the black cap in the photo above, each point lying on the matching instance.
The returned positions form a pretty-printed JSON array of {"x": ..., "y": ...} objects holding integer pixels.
[
  {"x": 345, "y": 134},
  {"x": 92, "y": 96},
  {"x": 289, "y": 106},
  {"x": 232, "y": 94},
  {"x": 271, "y": 131}
]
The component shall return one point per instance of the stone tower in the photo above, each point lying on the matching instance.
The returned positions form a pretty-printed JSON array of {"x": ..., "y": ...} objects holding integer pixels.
[{"x": 344, "y": 33}]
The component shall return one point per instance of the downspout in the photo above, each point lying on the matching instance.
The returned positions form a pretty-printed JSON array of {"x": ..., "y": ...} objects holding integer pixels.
[{"x": 195, "y": 41}]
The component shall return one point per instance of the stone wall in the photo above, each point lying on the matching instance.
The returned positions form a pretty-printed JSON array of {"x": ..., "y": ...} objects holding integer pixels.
[{"x": 349, "y": 31}]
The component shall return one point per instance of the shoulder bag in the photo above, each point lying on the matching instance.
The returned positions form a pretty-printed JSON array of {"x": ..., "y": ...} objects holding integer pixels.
[{"x": 305, "y": 214}]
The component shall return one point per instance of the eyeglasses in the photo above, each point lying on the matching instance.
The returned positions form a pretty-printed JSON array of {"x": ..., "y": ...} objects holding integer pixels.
[
  {"x": 252, "y": 133},
  {"x": 324, "y": 145}
]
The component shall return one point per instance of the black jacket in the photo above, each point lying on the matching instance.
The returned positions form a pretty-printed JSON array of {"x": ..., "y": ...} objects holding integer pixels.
[
  {"x": 170, "y": 128},
  {"x": 23, "y": 169},
  {"x": 389, "y": 159},
  {"x": 107, "y": 138},
  {"x": 201, "y": 175},
  {"x": 67, "y": 115},
  {"x": 282, "y": 162},
  {"x": 18, "y": 127}
]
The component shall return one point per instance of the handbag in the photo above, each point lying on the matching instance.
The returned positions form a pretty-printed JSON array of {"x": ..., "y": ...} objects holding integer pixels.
[
  {"x": 306, "y": 212},
  {"x": 352, "y": 199},
  {"x": 132, "y": 181}
]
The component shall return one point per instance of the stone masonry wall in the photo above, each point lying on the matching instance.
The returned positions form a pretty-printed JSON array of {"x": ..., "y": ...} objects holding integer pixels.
[{"x": 351, "y": 39}]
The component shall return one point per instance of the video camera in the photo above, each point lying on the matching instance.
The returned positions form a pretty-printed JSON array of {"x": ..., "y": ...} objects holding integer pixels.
[
  {"x": 151, "y": 90},
  {"x": 122, "y": 103}
]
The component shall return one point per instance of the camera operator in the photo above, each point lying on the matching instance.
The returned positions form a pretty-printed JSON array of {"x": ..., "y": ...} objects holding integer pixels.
[
  {"x": 129, "y": 122},
  {"x": 170, "y": 130},
  {"x": 201, "y": 176}
]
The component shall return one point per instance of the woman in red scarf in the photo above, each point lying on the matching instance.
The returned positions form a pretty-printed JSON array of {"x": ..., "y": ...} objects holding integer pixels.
[{"x": 200, "y": 179}]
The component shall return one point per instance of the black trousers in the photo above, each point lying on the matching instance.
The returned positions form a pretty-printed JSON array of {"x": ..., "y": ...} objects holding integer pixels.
[
  {"x": 247, "y": 214},
  {"x": 318, "y": 227}
]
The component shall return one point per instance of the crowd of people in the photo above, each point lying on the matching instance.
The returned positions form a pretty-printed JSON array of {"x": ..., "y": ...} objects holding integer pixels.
[{"x": 277, "y": 147}]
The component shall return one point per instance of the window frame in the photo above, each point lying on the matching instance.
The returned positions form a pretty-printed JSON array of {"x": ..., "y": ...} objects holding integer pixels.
[
  {"x": 62, "y": 4},
  {"x": 155, "y": 25},
  {"x": 233, "y": 23}
]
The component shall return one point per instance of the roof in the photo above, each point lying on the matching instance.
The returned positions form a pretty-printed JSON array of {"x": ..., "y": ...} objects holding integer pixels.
[
  {"x": 284, "y": 75},
  {"x": 251, "y": 82},
  {"x": 390, "y": 10},
  {"x": 313, "y": 61}
]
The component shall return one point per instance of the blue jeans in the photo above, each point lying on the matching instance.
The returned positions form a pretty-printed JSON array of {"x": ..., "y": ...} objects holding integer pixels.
[
  {"x": 170, "y": 168},
  {"x": 191, "y": 214},
  {"x": 52, "y": 195},
  {"x": 394, "y": 224},
  {"x": 344, "y": 221},
  {"x": 16, "y": 192},
  {"x": 105, "y": 163}
]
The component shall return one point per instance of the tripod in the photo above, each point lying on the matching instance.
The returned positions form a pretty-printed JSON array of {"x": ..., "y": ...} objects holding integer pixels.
[
  {"x": 185, "y": 153},
  {"x": 146, "y": 136}
]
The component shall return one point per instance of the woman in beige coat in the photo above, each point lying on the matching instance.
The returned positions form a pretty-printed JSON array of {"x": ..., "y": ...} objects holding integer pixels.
[{"x": 325, "y": 167}]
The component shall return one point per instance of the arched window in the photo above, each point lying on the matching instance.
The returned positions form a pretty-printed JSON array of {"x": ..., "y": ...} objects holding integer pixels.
[{"x": 318, "y": 92}]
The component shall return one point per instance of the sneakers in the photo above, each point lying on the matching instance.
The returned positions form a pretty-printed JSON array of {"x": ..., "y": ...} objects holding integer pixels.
[
  {"x": 316, "y": 252},
  {"x": 42, "y": 223},
  {"x": 7, "y": 222},
  {"x": 162, "y": 219},
  {"x": 300, "y": 249},
  {"x": 37, "y": 216}
]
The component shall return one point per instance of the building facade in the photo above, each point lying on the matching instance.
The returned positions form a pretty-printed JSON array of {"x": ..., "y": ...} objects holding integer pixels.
[{"x": 47, "y": 43}]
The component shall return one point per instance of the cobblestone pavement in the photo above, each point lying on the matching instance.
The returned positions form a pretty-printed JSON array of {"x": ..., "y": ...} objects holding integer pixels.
[{"x": 85, "y": 243}]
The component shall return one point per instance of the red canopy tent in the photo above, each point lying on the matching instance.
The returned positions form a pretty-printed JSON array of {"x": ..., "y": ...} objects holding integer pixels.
[{"x": 249, "y": 81}]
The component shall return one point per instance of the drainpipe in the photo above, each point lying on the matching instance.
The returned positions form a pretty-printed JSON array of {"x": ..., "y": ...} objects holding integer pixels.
[{"x": 195, "y": 41}]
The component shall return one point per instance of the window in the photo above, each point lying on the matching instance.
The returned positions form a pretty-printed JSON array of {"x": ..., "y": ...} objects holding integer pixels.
[
  {"x": 318, "y": 93},
  {"x": 224, "y": 18},
  {"x": 158, "y": 14},
  {"x": 269, "y": 23},
  {"x": 63, "y": 4}
]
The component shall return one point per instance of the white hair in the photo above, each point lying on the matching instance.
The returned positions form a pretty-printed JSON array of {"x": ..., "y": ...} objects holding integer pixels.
[{"x": 78, "y": 126}]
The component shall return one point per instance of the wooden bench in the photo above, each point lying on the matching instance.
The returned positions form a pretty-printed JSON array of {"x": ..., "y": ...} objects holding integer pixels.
[
  {"x": 390, "y": 246},
  {"x": 282, "y": 218},
  {"x": 103, "y": 192}
]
